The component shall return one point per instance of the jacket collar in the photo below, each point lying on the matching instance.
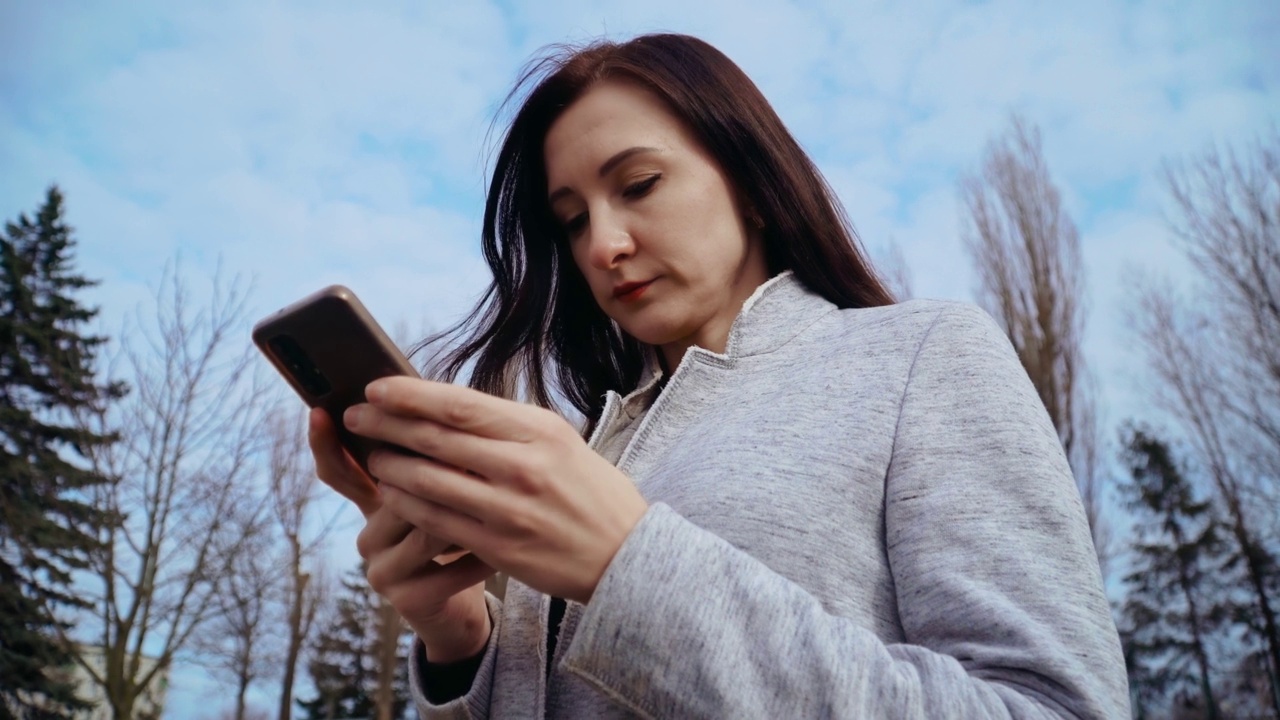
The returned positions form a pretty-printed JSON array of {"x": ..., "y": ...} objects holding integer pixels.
[{"x": 777, "y": 311}]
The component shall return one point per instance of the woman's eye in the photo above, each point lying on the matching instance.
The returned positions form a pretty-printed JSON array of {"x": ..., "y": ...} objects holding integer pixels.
[
  {"x": 641, "y": 188},
  {"x": 575, "y": 224}
]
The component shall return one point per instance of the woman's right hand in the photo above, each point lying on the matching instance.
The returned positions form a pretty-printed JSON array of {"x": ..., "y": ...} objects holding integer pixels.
[{"x": 440, "y": 596}]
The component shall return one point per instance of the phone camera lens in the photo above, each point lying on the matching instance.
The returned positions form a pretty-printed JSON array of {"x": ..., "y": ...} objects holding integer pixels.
[{"x": 299, "y": 365}]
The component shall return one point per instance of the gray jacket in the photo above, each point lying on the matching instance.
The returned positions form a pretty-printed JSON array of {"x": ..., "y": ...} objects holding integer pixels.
[{"x": 855, "y": 513}]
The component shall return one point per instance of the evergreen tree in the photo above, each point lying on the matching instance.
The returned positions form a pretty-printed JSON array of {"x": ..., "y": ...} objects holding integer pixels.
[
  {"x": 1175, "y": 601},
  {"x": 47, "y": 524},
  {"x": 344, "y": 659},
  {"x": 339, "y": 665}
]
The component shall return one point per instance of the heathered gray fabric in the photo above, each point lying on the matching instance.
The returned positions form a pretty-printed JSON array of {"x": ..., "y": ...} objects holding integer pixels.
[
  {"x": 614, "y": 438},
  {"x": 855, "y": 513}
]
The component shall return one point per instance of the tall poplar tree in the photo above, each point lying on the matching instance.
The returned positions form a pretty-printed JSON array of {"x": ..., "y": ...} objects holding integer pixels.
[
  {"x": 47, "y": 524},
  {"x": 1026, "y": 251}
]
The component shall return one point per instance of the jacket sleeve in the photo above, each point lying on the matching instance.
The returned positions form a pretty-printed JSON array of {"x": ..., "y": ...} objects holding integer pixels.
[
  {"x": 997, "y": 585},
  {"x": 475, "y": 704}
]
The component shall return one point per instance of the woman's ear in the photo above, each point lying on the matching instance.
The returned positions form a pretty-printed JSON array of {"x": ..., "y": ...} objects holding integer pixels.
[{"x": 752, "y": 218}]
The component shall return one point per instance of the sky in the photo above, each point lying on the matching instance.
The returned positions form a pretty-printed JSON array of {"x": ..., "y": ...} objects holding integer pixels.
[{"x": 306, "y": 143}]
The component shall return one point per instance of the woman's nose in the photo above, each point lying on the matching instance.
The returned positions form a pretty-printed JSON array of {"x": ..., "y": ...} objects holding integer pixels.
[{"x": 611, "y": 243}]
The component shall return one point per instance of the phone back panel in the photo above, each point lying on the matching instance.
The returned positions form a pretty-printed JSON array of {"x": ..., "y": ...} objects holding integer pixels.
[{"x": 342, "y": 348}]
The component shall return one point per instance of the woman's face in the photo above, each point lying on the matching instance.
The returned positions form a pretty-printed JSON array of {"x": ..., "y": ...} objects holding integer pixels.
[{"x": 653, "y": 223}]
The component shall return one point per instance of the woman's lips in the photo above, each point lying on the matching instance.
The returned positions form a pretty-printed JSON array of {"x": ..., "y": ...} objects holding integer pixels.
[{"x": 630, "y": 292}]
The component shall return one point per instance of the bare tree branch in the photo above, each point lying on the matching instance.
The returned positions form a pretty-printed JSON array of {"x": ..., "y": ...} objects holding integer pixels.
[
  {"x": 189, "y": 433},
  {"x": 1215, "y": 357},
  {"x": 293, "y": 489},
  {"x": 235, "y": 644}
]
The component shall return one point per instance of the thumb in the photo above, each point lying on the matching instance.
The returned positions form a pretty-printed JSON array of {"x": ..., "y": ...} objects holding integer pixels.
[{"x": 335, "y": 466}]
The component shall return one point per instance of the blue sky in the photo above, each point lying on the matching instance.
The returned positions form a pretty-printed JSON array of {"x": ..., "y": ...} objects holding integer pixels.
[{"x": 310, "y": 143}]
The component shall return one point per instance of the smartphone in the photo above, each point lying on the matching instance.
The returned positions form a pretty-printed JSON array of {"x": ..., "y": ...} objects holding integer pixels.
[{"x": 329, "y": 348}]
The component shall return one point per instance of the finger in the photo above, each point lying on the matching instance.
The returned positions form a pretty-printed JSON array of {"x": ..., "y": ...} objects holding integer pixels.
[
  {"x": 383, "y": 529},
  {"x": 486, "y": 457},
  {"x": 437, "y": 520},
  {"x": 335, "y": 466},
  {"x": 436, "y": 483},
  {"x": 459, "y": 407},
  {"x": 451, "y": 554},
  {"x": 410, "y": 555},
  {"x": 440, "y": 581}
]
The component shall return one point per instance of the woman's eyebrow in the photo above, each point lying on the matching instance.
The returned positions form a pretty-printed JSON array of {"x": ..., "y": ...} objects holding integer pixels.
[{"x": 606, "y": 167}]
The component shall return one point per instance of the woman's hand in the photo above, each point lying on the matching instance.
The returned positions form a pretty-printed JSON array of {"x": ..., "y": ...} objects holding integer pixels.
[
  {"x": 512, "y": 483},
  {"x": 440, "y": 596}
]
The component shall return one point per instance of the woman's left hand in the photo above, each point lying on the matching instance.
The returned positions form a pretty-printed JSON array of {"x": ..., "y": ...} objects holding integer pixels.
[{"x": 512, "y": 483}]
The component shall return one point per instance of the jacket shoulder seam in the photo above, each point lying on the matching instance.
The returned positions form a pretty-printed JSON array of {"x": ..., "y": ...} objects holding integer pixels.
[{"x": 911, "y": 372}]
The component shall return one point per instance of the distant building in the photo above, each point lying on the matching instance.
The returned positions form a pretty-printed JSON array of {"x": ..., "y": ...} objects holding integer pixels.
[{"x": 150, "y": 703}]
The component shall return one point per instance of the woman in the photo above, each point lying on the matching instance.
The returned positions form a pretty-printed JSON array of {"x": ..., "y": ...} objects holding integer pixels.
[{"x": 797, "y": 499}]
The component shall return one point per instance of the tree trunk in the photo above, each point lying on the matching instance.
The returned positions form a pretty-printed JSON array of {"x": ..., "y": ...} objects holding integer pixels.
[
  {"x": 119, "y": 697},
  {"x": 384, "y": 699},
  {"x": 240, "y": 693},
  {"x": 1257, "y": 580},
  {"x": 122, "y": 708},
  {"x": 295, "y": 637}
]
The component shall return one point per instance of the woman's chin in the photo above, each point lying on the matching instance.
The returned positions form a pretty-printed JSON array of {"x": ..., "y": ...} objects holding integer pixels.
[{"x": 650, "y": 333}]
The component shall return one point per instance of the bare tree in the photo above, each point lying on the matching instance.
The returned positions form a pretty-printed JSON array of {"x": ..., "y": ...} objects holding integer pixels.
[
  {"x": 1216, "y": 357},
  {"x": 293, "y": 489},
  {"x": 235, "y": 643},
  {"x": 1026, "y": 251},
  {"x": 182, "y": 468},
  {"x": 270, "y": 584}
]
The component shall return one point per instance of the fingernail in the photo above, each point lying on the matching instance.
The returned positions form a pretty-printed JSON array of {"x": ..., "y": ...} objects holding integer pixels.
[
  {"x": 375, "y": 391},
  {"x": 352, "y": 416}
]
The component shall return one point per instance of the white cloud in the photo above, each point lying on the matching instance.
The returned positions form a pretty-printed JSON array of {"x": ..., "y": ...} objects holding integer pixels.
[
  {"x": 339, "y": 142},
  {"x": 242, "y": 139}
]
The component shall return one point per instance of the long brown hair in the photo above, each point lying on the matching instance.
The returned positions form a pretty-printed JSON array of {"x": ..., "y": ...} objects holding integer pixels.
[{"x": 537, "y": 328}]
